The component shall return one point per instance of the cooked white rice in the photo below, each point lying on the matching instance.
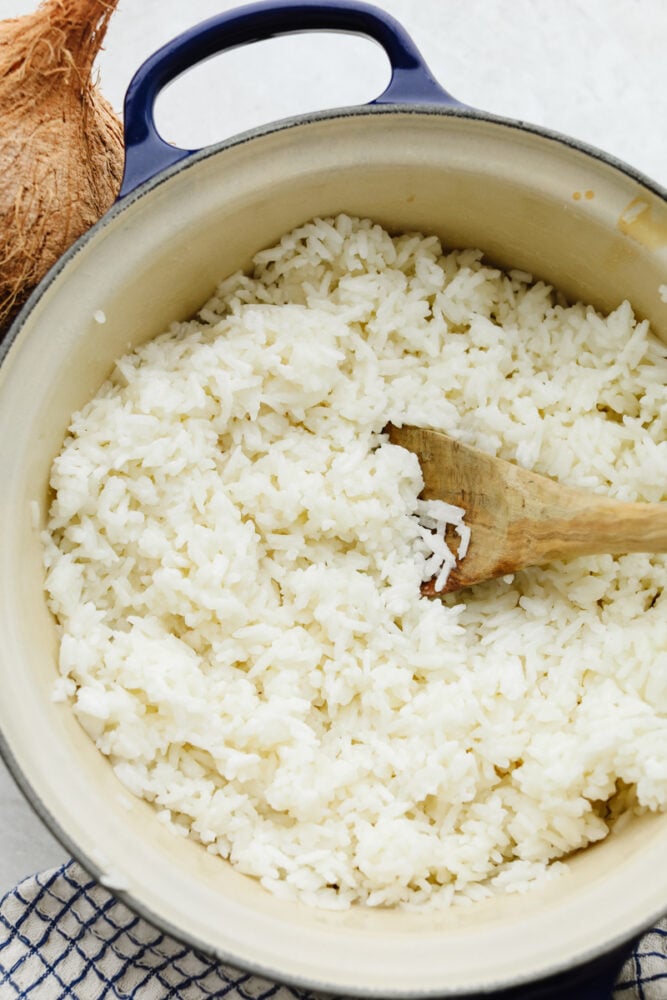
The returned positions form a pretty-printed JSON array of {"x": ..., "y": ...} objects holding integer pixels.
[{"x": 234, "y": 561}]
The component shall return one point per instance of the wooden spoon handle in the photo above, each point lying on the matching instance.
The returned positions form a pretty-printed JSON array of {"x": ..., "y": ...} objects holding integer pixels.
[
  {"x": 543, "y": 520},
  {"x": 567, "y": 522}
]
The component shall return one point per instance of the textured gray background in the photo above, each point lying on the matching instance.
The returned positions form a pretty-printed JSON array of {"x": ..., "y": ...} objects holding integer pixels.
[{"x": 595, "y": 69}]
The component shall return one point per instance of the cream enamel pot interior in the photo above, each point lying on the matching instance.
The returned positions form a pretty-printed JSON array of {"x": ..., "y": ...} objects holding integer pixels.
[{"x": 415, "y": 159}]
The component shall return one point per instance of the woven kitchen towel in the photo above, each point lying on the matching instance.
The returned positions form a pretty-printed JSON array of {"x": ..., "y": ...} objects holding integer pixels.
[{"x": 64, "y": 936}]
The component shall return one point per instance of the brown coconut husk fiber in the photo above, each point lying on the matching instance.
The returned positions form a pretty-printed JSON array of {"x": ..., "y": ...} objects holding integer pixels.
[{"x": 61, "y": 148}]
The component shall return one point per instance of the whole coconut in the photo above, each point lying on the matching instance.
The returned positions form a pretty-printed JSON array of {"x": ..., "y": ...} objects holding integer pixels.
[{"x": 61, "y": 147}]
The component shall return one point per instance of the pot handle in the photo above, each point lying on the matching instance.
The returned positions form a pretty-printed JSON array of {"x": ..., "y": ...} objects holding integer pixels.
[{"x": 146, "y": 152}]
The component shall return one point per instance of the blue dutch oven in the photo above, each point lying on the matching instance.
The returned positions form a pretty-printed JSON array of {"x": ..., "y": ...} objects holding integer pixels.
[{"x": 413, "y": 159}]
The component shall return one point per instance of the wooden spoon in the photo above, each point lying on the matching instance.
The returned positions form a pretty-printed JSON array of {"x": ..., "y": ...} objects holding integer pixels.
[{"x": 518, "y": 518}]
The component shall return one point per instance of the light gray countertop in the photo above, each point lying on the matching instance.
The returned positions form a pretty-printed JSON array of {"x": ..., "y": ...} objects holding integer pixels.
[{"x": 594, "y": 69}]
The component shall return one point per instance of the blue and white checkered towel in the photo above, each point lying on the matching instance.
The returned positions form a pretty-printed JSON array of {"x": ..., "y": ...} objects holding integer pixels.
[{"x": 63, "y": 936}]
